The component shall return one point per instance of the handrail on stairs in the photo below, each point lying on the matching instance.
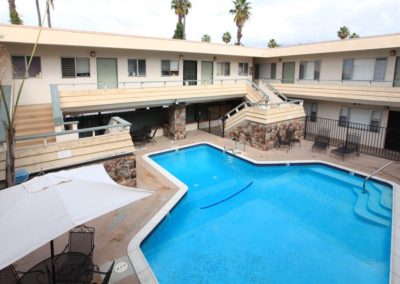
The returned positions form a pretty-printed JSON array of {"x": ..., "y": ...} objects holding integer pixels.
[
  {"x": 377, "y": 171},
  {"x": 274, "y": 90}
]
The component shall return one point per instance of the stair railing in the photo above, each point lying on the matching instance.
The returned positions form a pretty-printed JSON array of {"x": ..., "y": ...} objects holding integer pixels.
[
  {"x": 377, "y": 171},
  {"x": 275, "y": 91}
]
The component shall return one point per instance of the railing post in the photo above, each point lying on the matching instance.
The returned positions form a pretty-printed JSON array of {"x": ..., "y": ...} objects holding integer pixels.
[
  {"x": 305, "y": 128},
  {"x": 209, "y": 123},
  {"x": 223, "y": 127}
]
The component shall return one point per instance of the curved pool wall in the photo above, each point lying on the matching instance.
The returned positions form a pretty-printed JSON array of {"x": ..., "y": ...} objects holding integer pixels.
[{"x": 141, "y": 266}]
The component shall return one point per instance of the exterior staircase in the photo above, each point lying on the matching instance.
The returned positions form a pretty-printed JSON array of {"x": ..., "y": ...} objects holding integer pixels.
[{"x": 34, "y": 119}]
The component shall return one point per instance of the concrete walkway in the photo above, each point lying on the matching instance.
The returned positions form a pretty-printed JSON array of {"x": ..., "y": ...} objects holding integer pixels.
[{"x": 115, "y": 230}]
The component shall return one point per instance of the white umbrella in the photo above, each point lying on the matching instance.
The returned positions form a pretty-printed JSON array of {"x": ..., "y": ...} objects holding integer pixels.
[{"x": 40, "y": 210}]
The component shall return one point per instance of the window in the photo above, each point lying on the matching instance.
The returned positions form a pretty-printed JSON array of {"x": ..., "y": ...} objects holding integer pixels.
[
  {"x": 344, "y": 116},
  {"x": 375, "y": 120},
  {"x": 223, "y": 68},
  {"x": 268, "y": 71},
  {"x": 360, "y": 118},
  {"x": 75, "y": 67},
  {"x": 243, "y": 69},
  {"x": 20, "y": 66},
  {"x": 311, "y": 111},
  {"x": 364, "y": 69},
  {"x": 309, "y": 70},
  {"x": 169, "y": 67},
  {"x": 313, "y": 116},
  {"x": 136, "y": 67},
  {"x": 380, "y": 69}
]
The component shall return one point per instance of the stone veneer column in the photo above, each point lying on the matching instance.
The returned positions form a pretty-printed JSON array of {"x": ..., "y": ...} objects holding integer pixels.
[
  {"x": 122, "y": 170},
  {"x": 177, "y": 121}
]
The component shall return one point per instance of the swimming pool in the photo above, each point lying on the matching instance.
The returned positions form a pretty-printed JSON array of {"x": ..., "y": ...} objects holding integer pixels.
[{"x": 246, "y": 223}]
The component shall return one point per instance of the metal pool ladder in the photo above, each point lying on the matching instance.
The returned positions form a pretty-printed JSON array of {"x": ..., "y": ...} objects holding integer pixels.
[{"x": 377, "y": 171}]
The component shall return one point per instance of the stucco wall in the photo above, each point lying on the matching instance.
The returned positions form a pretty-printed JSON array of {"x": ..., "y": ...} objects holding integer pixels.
[
  {"x": 331, "y": 64},
  {"x": 37, "y": 91}
]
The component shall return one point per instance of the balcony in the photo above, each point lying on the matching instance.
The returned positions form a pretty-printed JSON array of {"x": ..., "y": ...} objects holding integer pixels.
[
  {"x": 364, "y": 92},
  {"x": 76, "y": 98}
]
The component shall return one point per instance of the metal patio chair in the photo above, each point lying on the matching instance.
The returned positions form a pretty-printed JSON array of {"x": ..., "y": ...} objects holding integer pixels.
[
  {"x": 351, "y": 146},
  {"x": 322, "y": 140}
]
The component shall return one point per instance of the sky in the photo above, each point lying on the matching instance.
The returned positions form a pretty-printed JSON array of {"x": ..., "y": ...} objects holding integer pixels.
[{"x": 289, "y": 22}]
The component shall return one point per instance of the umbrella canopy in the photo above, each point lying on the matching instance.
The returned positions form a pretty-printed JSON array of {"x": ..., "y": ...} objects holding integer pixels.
[{"x": 40, "y": 210}]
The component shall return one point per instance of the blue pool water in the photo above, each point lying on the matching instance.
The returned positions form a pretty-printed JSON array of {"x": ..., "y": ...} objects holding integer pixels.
[{"x": 242, "y": 223}]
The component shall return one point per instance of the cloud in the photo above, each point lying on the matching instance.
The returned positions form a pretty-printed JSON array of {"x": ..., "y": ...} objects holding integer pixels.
[{"x": 288, "y": 21}]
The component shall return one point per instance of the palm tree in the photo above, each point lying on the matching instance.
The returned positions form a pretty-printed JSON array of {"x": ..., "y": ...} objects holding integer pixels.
[
  {"x": 14, "y": 16},
  {"x": 272, "y": 43},
  {"x": 48, "y": 3},
  {"x": 226, "y": 37},
  {"x": 38, "y": 13},
  {"x": 241, "y": 15},
  {"x": 354, "y": 35},
  {"x": 181, "y": 8},
  {"x": 206, "y": 38},
  {"x": 343, "y": 32}
]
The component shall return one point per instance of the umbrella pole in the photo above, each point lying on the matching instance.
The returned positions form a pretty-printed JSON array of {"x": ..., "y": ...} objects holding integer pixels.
[{"x": 53, "y": 267}]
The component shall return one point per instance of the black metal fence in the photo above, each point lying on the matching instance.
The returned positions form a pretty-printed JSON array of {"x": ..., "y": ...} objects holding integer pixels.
[
  {"x": 375, "y": 140},
  {"x": 211, "y": 122}
]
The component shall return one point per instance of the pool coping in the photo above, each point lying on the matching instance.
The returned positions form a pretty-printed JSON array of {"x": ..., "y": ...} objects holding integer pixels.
[{"x": 142, "y": 267}]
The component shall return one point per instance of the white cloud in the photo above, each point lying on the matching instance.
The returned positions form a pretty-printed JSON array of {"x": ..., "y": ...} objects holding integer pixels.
[{"x": 288, "y": 21}]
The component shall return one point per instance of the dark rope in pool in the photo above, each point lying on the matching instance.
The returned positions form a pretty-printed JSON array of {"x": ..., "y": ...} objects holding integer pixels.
[{"x": 229, "y": 197}]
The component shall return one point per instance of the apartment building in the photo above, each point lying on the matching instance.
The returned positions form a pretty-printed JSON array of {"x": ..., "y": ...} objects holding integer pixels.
[{"x": 80, "y": 81}]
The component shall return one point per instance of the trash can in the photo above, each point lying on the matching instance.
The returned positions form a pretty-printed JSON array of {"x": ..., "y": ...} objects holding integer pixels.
[{"x": 21, "y": 175}]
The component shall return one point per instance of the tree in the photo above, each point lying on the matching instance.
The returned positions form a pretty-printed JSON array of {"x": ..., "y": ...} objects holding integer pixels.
[
  {"x": 354, "y": 35},
  {"x": 343, "y": 32},
  {"x": 14, "y": 16},
  {"x": 226, "y": 37},
  {"x": 48, "y": 4},
  {"x": 11, "y": 106},
  {"x": 38, "y": 12},
  {"x": 272, "y": 43},
  {"x": 181, "y": 8},
  {"x": 178, "y": 34},
  {"x": 241, "y": 15},
  {"x": 206, "y": 38}
]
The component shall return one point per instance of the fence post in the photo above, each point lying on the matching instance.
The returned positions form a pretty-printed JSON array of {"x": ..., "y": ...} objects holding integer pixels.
[
  {"x": 223, "y": 127},
  {"x": 209, "y": 123},
  {"x": 305, "y": 128}
]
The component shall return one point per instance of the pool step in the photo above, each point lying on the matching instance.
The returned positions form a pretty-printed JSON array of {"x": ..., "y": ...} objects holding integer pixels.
[
  {"x": 383, "y": 196},
  {"x": 386, "y": 195},
  {"x": 373, "y": 202},
  {"x": 361, "y": 210}
]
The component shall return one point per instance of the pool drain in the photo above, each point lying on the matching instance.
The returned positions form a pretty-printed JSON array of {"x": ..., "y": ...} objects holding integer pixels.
[{"x": 121, "y": 267}]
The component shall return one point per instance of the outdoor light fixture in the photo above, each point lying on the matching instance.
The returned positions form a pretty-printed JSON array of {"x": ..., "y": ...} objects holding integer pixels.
[
  {"x": 215, "y": 58},
  {"x": 92, "y": 53},
  {"x": 147, "y": 108},
  {"x": 392, "y": 53},
  {"x": 180, "y": 57}
]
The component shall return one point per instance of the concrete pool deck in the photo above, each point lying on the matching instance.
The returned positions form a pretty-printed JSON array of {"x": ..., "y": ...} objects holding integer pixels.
[{"x": 115, "y": 230}]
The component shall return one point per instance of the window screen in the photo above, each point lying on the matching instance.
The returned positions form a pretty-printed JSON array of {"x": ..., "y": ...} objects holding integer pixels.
[
  {"x": 380, "y": 69},
  {"x": 82, "y": 67},
  {"x": 19, "y": 67},
  {"x": 363, "y": 69}
]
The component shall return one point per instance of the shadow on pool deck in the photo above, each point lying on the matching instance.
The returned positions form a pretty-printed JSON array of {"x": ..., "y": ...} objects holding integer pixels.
[{"x": 115, "y": 230}]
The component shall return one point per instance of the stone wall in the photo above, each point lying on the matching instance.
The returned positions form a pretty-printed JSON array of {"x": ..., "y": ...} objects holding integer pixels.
[
  {"x": 122, "y": 170},
  {"x": 264, "y": 137},
  {"x": 175, "y": 129}
]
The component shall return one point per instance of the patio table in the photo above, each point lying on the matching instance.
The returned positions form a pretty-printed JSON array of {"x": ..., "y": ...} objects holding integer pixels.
[{"x": 70, "y": 267}]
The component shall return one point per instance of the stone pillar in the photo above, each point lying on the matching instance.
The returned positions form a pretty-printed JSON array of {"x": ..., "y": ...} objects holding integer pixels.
[
  {"x": 122, "y": 170},
  {"x": 177, "y": 122}
]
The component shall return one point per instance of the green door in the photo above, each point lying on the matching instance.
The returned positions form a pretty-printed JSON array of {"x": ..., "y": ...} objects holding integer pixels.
[
  {"x": 107, "y": 77},
  {"x": 288, "y": 72},
  {"x": 206, "y": 72},
  {"x": 396, "y": 79}
]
